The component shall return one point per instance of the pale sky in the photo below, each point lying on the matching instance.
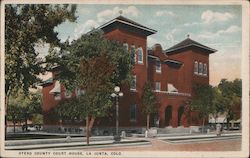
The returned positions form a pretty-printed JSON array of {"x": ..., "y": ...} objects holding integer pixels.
[{"x": 217, "y": 26}]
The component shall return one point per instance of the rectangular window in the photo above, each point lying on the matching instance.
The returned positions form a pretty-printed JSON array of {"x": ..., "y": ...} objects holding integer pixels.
[
  {"x": 158, "y": 66},
  {"x": 133, "y": 83},
  {"x": 133, "y": 112},
  {"x": 140, "y": 55},
  {"x": 205, "y": 69},
  {"x": 157, "y": 86}
]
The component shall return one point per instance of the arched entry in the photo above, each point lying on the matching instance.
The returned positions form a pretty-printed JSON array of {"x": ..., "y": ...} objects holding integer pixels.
[
  {"x": 168, "y": 116},
  {"x": 180, "y": 113}
]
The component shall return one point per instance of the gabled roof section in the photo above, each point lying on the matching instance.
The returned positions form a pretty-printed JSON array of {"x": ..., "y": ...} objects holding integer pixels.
[
  {"x": 189, "y": 43},
  {"x": 122, "y": 22}
]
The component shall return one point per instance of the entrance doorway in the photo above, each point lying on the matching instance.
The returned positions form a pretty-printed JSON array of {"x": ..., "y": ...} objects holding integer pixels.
[
  {"x": 180, "y": 113},
  {"x": 168, "y": 116}
]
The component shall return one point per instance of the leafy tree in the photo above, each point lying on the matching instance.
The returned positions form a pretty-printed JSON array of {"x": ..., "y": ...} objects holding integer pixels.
[
  {"x": 95, "y": 65},
  {"x": 28, "y": 25},
  {"x": 203, "y": 101},
  {"x": 25, "y": 26},
  {"x": 14, "y": 114},
  {"x": 149, "y": 102},
  {"x": 231, "y": 92},
  {"x": 27, "y": 106},
  {"x": 217, "y": 103}
]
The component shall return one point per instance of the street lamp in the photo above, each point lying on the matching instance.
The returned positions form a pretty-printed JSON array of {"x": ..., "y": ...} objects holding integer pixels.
[{"x": 116, "y": 95}]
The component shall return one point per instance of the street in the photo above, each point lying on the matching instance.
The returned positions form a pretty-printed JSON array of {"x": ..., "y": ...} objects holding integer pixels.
[{"x": 215, "y": 145}]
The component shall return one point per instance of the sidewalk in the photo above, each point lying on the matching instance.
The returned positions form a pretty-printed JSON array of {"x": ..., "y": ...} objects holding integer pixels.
[
  {"x": 190, "y": 136},
  {"x": 82, "y": 144},
  {"x": 105, "y": 141}
]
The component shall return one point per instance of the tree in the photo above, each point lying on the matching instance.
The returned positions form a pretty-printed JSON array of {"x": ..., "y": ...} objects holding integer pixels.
[
  {"x": 28, "y": 25},
  {"x": 96, "y": 65},
  {"x": 203, "y": 101},
  {"x": 149, "y": 102},
  {"x": 217, "y": 106},
  {"x": 14, "y": 114},
  {"x": 24, "y": 106},
  {"x": 231, "y": 93}
]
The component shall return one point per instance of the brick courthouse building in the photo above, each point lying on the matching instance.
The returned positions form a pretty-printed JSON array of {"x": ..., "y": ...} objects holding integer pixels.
[{"x": 172, "y": 72}]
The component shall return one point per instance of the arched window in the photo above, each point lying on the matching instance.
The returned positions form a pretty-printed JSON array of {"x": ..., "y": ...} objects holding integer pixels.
[
  {"x": 133, "y": 52},
  {"x": 196, "y": 67},
  {"x": 205, "y": 69},
  {"x": 200, "y": 68},
  {"x": 140, "y": 55}
]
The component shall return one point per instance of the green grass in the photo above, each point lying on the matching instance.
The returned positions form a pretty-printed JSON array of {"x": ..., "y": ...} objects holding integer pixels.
[{"x": 32, "y": 136}]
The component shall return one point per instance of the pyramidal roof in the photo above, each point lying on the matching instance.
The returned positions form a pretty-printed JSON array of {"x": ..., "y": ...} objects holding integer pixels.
[
  {"x": 123, "y": 22},
  {"x": 189, "y": 43}
]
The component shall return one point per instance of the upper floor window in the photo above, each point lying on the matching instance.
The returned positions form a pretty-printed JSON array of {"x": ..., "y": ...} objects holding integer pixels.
[
  {"x": 133, "y": 52},
  {"x": 205, "y": 69},
  {"x": 200, "y": 68},
  {"x": 140, "y": 55},
  {"x": 125, "y": 45},
  {"x": 195, "y": 67},
  {"x": 133, "y": 83},
  {"x": 133, "y": 112},
  {"x": 158, "y": 66},
  {"x": 157, "y": 86}
]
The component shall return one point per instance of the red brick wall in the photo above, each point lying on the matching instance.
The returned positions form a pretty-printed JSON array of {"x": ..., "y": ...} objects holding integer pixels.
[
  {"x": 183, "y": 78},
  {"x": 186, "y": 77},
  {"x": 140, "y": 70}
]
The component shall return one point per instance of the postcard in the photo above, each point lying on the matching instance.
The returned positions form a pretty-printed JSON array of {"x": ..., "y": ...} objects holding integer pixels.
[{"x": 124, "y": 78}]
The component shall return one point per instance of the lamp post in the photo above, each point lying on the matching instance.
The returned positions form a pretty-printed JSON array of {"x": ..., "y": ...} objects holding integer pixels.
[{"x": 117, "y": 93}]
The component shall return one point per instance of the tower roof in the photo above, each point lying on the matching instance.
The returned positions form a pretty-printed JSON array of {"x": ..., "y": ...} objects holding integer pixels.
[
  {"x": 188, "y": 43},
  {"x": 127, "y": 24}
]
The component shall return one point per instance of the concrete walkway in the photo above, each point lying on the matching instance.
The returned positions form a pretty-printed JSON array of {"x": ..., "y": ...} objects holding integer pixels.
[{"x": 107, "y": 141}]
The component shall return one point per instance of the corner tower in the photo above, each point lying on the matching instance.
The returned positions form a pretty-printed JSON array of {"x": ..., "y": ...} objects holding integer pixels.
[
  {"x": 195, "y": 57},
  {"x": 133, "y": 36}
]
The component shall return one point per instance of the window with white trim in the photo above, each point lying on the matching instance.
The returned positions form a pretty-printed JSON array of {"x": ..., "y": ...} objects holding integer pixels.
[
  {"x": 205, "y": 69},
  {"x": 133, "y": 112},
  {"x": 200, "y": 68},
  {"x": 125, "y": 45},
  {"x": 133, "y": 83},
  {"x": 157, "y": 86},
  {"x": 140, "y": 55},
  {"x": 158, "y": 66},
  {"x": 133, "y": 51},
  {"x": 196, "y": 67}
]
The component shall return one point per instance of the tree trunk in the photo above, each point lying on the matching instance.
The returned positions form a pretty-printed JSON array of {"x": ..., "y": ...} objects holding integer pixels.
[
  {"x": 227, "y": 123},
  {"x": 14, "y": 127},
  {"x": 91, "y": 123},
  {"x": 87, "y": 129},
  {"x": 26, "y": 124},
  {"x": 6, "y": 109},
  {"x": 148, "y": 118}
]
